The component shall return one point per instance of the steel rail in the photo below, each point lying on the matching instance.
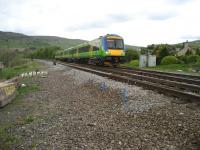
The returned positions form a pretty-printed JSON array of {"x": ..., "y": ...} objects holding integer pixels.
[
  {"x": 163, "y": 76},
  {"x": 145, "y": 84},
  {"x": 163, "y": 72},
  {"x": 175, "y": 84}
]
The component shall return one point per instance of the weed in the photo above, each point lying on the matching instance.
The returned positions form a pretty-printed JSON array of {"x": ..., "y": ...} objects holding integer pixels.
[
  {"x": 6, "y": 139},
  {"x": 33, "y": 146},
  {"x": 28, "y": 119},
  {"x": 27, "y": 89}
]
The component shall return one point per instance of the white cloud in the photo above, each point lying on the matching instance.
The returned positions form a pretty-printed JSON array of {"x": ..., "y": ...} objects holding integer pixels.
[{"x": 139, "y": 22}]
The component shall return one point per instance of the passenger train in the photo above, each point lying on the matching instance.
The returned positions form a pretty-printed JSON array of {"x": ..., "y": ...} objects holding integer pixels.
[{"x": 106, "y": 50}]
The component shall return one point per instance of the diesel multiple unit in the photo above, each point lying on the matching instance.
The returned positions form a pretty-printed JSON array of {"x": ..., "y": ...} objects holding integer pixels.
[{"x": 106, "y": 50}]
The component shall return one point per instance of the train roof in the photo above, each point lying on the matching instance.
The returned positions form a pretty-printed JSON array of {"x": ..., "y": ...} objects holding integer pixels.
[
  {"x": 87, "y": 43},
  {"x": 112, "y": 36}
]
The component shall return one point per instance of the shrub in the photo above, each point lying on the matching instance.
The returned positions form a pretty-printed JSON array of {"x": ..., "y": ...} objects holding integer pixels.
[
  {"x": 198, "y": 61},
  {"x": 17, "y": 61},
  {"x": 196, "y": 66},
  {"x": 192, "y": 59},
  {"x": 6, "y": 56},
  {"x": 134, "y": 63},
  {"x": 169, "y": 60},
  {"x": 131, "y": 54},
  {"x": 45, "y": 53},
  {"x": 182, "y": 59}
]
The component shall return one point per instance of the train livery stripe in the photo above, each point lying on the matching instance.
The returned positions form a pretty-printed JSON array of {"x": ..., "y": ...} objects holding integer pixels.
[{"x": 114, "y": 52}]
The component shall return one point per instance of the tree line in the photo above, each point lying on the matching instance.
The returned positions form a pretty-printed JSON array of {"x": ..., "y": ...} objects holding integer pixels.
[
  {"x": 45, "y": 53},
  {"x": 165, "y": 54}
]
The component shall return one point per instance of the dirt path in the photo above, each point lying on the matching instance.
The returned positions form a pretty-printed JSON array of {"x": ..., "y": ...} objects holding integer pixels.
[{"x": 58, "y": 113}]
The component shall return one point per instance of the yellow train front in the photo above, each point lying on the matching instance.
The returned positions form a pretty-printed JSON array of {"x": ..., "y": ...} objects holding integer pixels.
[{"x": 105, "y": 50}]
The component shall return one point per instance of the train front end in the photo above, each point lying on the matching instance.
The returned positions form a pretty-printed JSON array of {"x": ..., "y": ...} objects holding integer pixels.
[{"x": 114, "y": 49}]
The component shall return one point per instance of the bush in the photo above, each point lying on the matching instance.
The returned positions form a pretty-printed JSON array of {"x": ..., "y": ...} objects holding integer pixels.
[
  {"x": 198, "y": 61},
  {"x": 182, "y": 59},
  {"x": 196, "y": 66},
  {"x": 131, "y": 54},
  {"x": 192, "y": 59},
  {"x": 134, "y": 63},
  {"x": 6, "y": 56},
  {"x": 45, "y": 53},
  {"x": 169, "y": 60},
  {"x": 17, "y": 61}
]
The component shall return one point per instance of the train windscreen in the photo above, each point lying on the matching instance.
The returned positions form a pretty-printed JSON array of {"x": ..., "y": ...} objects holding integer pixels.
[{"x": 115, "y": 44}]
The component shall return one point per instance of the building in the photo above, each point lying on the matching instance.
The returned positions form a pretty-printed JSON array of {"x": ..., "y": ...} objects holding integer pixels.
[{"x": 186, "y": 48}]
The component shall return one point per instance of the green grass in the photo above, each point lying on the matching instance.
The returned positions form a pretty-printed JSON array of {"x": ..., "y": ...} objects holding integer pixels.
[
  {"x": 10, "y": 72},
  {"x": 186, "y": 68},
  {"x": 133, "y": 63},
  {"x": 7, "y": 138},
  {"x": 29, "y": 119},
  {"x": 28, "y": 89}
]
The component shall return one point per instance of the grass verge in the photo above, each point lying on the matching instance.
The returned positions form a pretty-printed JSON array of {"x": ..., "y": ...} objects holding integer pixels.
[
  {"x": 8, "y": 139},
  {"x": 178, "y": 68},
  {"x": 10, "y": 72},
  {"x": 133, "y": 63}
]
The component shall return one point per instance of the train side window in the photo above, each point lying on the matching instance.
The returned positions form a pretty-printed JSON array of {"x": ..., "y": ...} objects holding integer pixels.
[
  {"x": 95, "y": 48},
  {"x": 84, "y": 49}
]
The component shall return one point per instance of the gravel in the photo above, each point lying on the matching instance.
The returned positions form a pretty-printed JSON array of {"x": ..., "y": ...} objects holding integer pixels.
[
  {"x": 139, "y": 100},
  {"x": 71, "y": 111}
]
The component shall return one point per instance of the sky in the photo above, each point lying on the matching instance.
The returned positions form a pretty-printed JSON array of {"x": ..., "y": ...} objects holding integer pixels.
[{"x": 139, "y": 22}]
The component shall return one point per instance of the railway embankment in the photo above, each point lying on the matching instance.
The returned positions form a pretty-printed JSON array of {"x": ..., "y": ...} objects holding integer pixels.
[{"x": 73, "y": 109}]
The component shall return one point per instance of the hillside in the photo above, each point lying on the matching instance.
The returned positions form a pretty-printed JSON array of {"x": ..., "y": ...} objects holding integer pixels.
[
  {"x": 195, "y": 44},
  {"x": 192, "y": 44},
  {"x": 17, "y": 40},
  {"x": 138, "y": 48}
]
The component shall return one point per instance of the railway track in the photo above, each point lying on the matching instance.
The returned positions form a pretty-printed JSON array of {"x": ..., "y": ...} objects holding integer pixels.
[
  {"x": 165, "y": 73},
  {"x": 180, "y": 87},
  {"x": 168, "y": 76}
]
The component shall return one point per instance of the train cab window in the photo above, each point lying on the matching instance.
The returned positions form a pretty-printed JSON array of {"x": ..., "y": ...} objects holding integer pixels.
[
  {"x": 111, "y": 44},
  {"x": 115, "y": 44}
]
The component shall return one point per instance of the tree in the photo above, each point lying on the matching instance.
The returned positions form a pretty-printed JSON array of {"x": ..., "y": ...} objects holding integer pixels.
[
  {"x": 6, "y": 56},
  {"x": 131, "y": 54},
  {"x": 151, "y": 47},
  {"x": 45, "y": 53},
  {"x": 161, "y": 51},
  {"x": 197, "y": 51},
  {"x": 189, "y": 52}
]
